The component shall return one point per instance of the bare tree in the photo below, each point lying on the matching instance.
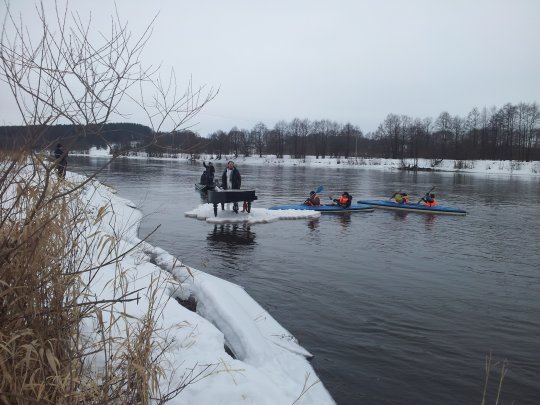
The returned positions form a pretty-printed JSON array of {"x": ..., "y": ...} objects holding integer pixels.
[
  {"x": 458, "y": 132},
  {"x": 472, "y": 124},
  {"x": 260, "y": 133},
  {"x": 235, "y": 138},
  {"x": 532, "y": 132},
  {"x": 280, "y": 132},
  {"x": 68, "y": 73},
  {"x": 443, "y": 125},
  {"x": 390, "y": 129}
]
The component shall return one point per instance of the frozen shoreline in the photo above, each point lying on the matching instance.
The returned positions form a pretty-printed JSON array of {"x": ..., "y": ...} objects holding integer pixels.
[
  {"x": 268, "y": 365},
  {"x": 497, "y": 167}
]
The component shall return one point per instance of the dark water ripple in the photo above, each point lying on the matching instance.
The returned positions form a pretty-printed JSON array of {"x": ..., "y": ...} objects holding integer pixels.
[{"x": 397, "y": 308}]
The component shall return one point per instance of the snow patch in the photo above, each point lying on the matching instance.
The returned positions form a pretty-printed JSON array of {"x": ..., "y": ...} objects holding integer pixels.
[{"x": 205, "y": 212}]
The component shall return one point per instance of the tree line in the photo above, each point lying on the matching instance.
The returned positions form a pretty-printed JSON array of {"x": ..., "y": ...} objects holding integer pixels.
[{"x": 511, "y": 132}]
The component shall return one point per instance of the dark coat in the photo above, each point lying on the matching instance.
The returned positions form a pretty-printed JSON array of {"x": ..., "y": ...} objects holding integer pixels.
[
  {"x": 236, "y": 179},
  {"x": 209, "y": 169},
  {"x": 348, "y": 203},
  {"x": 60, "y": 155}
]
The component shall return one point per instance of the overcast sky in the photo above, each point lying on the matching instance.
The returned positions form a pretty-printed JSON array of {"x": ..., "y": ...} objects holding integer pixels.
[{"x": 350, "y": 61}]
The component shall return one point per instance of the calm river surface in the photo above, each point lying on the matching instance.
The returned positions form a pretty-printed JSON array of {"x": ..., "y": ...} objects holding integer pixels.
[{"x": 397, "y": 308}]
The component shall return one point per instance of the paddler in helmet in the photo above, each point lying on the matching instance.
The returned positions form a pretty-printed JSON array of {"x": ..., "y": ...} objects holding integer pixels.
[{"x": 401, "y": 198}]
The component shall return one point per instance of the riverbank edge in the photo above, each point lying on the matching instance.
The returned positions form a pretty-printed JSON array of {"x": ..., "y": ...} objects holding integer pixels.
[
  {"x": 206, "y": 332},
  {"x": 487, "y": 167}
]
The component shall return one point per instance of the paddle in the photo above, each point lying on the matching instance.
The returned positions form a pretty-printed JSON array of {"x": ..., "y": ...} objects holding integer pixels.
[
  {"x": 432, "y": 188},
  {"x": 318, "y": 190}
]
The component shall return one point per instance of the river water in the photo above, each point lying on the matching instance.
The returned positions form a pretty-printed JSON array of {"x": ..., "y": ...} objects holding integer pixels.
[{"x": 397, "y": 308}]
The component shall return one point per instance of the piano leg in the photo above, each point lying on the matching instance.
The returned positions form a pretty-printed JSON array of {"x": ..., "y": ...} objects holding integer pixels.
[
  {"x": 215, "y": 209},
  {"x": 222, "y": 206},
  {"x": 249, "y": 206},
  {"x": 235, "y": 207}
]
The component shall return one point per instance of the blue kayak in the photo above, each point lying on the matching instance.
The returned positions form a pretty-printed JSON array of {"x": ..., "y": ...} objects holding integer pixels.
[
  {"x": 390, "y": 205},
  {"x": 325, "y": 208}
]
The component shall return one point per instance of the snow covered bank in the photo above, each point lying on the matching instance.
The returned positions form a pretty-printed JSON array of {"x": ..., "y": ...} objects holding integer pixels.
[
  {"x": 466, "y": 166},
  {"x": 268, "y": 365}
]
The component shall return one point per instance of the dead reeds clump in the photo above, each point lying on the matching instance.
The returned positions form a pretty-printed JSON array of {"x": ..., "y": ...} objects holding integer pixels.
[
  {"x": 38, "y": 315},
  {"x": 61, "y": 342}
]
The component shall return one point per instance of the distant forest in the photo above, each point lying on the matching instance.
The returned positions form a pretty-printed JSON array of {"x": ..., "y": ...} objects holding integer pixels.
[{"x": 511, "y": 132}]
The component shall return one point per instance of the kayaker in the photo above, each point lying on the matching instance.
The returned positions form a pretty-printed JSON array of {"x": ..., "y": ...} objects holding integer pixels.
[
  {"x": 345, "y": 200},
  {"x": 313, "y": 200},
  {"x": 401, "y": 198},
  {"x": 429, "y": 200}
]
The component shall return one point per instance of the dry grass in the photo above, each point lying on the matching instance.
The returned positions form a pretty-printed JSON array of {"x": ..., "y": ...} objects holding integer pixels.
[
  {"x": 70, "y": 72},
  {"x": 39, "y": 316},
  {"x": 493, "y": 391},
  {"x": 45, "y": 268}
]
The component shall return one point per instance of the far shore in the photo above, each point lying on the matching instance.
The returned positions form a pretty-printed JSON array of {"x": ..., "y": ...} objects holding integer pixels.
[{"x": 497, "y": 167}]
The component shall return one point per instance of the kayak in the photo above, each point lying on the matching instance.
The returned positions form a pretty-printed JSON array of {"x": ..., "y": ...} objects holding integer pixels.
[
  {"x": 325, "y": 208},
  {"x": 390, "y": 205}
]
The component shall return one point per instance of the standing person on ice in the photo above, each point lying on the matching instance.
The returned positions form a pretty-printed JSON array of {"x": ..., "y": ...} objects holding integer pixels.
[{"x": 231, "y": 180}]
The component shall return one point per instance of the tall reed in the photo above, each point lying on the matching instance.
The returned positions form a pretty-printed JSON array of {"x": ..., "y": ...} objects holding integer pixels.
[{"x": 48, "y": 260}]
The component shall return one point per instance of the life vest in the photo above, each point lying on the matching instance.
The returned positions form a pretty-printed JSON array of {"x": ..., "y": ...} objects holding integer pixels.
[
  {"x": 402, "y": 198},
  {"x": 431, "y": 204},
  {"x": 343, "y": 200}
]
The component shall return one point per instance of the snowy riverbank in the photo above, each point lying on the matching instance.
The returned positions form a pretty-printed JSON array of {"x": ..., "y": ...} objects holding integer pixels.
[
  {"x": 465, "y": 166},
  {"x": 263, "y": 363}
]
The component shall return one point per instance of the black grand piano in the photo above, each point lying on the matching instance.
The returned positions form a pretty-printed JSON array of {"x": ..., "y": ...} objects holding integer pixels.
[{"x": 231, "y": 196}]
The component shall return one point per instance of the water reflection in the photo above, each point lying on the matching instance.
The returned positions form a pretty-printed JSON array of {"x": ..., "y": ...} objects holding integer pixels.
[
  {"x": 345, "y": 220},
  {"x": 430, "y": 220},
  {"x": 400, "y": 215},
  {"x": 231, "y": 236},
  {"x": 313, "y": 224}
]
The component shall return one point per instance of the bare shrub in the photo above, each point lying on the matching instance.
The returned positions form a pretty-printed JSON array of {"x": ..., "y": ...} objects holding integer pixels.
[
  {"x": 515, "y": 165},
  {"x": 463, "y": 164},
  {"x": 436, "y": 162},
  {"x": 52, "y": 245}
]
